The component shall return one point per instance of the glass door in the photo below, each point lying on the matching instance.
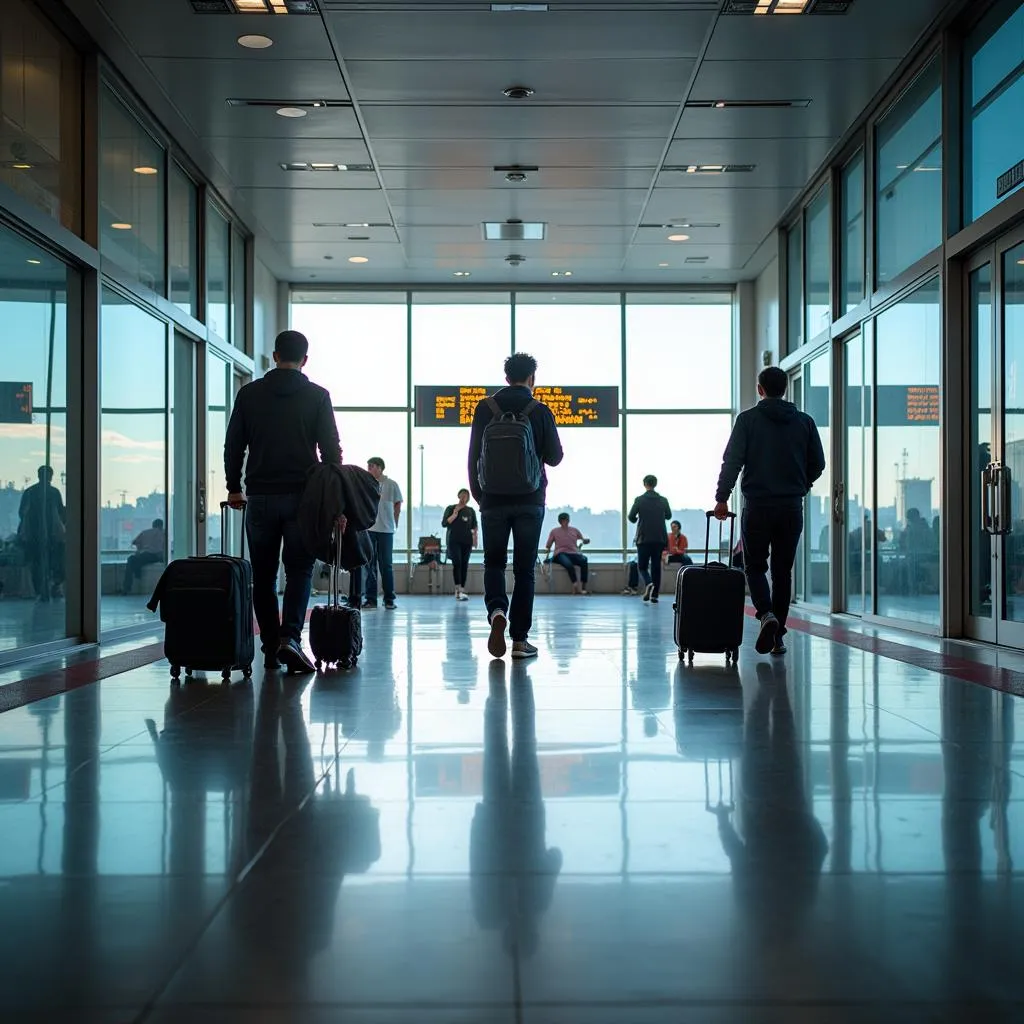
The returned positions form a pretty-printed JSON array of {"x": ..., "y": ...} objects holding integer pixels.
[
  {"x": 855, "y": 492},
  {"x": 182, "y": 433},
  {"x": 818, "y": 504},
  {"x": 796, "y": 395},
  {"x": 995, "y": 543}
]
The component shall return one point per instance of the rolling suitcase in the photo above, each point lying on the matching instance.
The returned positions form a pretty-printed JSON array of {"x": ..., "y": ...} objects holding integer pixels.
[
  {"x": 206, "y": 606},
  {"x": 709, "y": 604},
  {"x": 335, "y": 631}
]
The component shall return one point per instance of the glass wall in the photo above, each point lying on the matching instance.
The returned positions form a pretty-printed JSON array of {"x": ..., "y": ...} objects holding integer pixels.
[
  {"x": 218, "y": 272},
  {"x": 818, "y": 508},
  {"x": 852, "y": 251},
  {"x": 818, "y": 265},
  {"x": 908, "y": 176},
  {"x": 795, "y": 286},
  {"x": 908, "y": 363},
  {"x": 677, "y": 367},
  {"x": 132, "y": 177},
  {"x": 34, "y": 465},
  {"x": 133, "y": 465},
  {"x": 238, "y": 296},
  {"x": 994, "y": 102},
  {"x": 182, "y": 239},
  {"x": 40, "y": 114}
]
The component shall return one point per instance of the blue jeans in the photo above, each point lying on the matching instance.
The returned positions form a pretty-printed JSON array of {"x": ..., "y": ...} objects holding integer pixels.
[
  {"x": 270, "y": 521},
  {"x": 569, "y": 561},
  {"x": 523, "y": 523},
  {"x": 383, "y": 554},
  {"x": 648, "y": 558}
]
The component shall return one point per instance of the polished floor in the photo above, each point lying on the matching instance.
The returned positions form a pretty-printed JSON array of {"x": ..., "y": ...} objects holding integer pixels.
[{"x": 600, "y": 835}]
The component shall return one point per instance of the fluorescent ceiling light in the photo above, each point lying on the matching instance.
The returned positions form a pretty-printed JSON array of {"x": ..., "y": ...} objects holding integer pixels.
[
  {"x": 255, "y": 42},
  {"x": 121, "y": 226},
  {"x": 678, "y": 238},
  {"x": 787, "y": 6},
  {"x": 358, "y": 259},
  {"x": 662, "y": 264},
  {"x": 145, "y": 170},
  {"x": 514, "y": 231},
  {"x": 22, "y": 167},
  {"x": 561, "y": 273},
  {"x": 39, "y": 263},
  {"x": 291, "y": 112}
]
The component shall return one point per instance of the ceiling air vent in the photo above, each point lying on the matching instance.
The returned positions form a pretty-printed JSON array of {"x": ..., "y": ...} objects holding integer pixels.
[
  {"x": 787, "y": 6},
  {"x": 696, "y": 259},
  {"x": 235, "y": 101},
  {"x": 514, "y": 231},
  {"x": 745, "y": 104},
  {"x": 299, "y": 166}
]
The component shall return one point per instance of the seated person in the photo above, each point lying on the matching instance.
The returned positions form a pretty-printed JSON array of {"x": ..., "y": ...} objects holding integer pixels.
[
  {"x": 149, "y": 548},
  {"x": 675, "y": 553},
  {"x": 565, "y": 540}
]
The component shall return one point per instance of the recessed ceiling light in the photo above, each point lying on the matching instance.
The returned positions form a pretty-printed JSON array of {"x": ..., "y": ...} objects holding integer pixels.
[
  {"x": 1020, "y": 263},
  {"x": 461, "y": 273},
  {"x": 561, "y": 273},
  {"x": 662, "y": 264},
  {"x": 358, "y": 259},
  {"x": 121, "y": 226},
  {"x": 255, "y": 42},
  {"x": 678, "y": 238},
  {"x": 291, "y": 112},
  {"x": 145, "y": 170},
  {"x": 35, "y": 263},
  {"x": 22, "y": 167},
  {"x": 518, "y": 92}
]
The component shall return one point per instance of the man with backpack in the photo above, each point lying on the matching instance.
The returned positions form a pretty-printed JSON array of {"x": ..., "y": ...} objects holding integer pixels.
[{"x": 513, "y": 438}]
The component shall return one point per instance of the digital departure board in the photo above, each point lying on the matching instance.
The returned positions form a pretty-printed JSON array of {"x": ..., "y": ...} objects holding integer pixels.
[
  {"x": 15, "y": 402},
  {"x": 572, "y": 406}
]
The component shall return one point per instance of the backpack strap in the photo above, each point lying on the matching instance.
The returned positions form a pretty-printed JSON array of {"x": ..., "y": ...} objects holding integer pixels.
[
  {"x": 496, "y": 410},
  {"x": 529, "y": 407}
]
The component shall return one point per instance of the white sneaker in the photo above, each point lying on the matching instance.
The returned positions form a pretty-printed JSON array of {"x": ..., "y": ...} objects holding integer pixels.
[{"x": 462, "y": 596}]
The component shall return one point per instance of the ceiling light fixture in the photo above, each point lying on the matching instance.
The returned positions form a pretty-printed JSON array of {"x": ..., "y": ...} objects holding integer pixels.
[
  {"x": 461, "y": 273},
  {"x": 513, "y": 259},
  {"x": 514, "y": 230},
  {"x": 708, "y": 168},
  {"x": 561, "y": 273},
  {"x": 519, "y": 8},
  {"x": 762, "y": 7},
  {"x": 121, "y": 226},
  {"x": 22, "y": 166},
  {"x": 678, "y": 238},
  {"x": 518, "y": 92},
  {"x": 1020, "y": 263},
  {"x": 35, "y": 263},
  {"x": 145, "y": 170},
  {"x": 328, "y": 257},
  {"x": 358, "y": 259},
  {"x": 254, "y": 6},
  {"x": 662, "y": 264},
  {"x": 291, "y": 112},
  {"x": 255, "y": 42},
  {"x": 746, "y": 104}
]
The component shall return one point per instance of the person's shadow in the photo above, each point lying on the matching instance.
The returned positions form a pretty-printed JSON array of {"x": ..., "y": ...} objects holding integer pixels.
[
  {"x": 777, "y": 862},
  {"x": 650, "y": 688},
  {"x": 512, "y": 871},
  {"x": 460, "y": 666}
]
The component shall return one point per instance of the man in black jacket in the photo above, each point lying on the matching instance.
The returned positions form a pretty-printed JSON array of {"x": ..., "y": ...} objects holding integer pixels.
[
  {"x": 520, "y": 514},
  {"x": 281, "y": 420},
  {"x": 779, "y": 451},
  {"x": 649, "y": 512}
]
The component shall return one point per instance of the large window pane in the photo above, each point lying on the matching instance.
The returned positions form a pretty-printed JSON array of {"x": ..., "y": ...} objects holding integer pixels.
[
  {"x": 460, "y": 339},
  {"x": 33, "y": 445},
  {"x": 853, "y": 233},
  {"x": 995, "y": 110},
  {"x": 133, "y": 466},
  {"x": 357, "y": 345},
  {"x": 40, "y": 114},
  {"x": 218, "y": 272},
  {"x": 238, "y": 296},
  {"x": 818, "y": 507},
  {"x": 219, "y": 393},
  {"x": 132, "y": 178},
  {"x": 908, "y": 162},
  {"x": 182, "y": 204},
  {"x": 794, "y": 287},
  {"x": 818, "y": 265},
  {"x": 908, "y": 375},
  {"x": 678, "y": 351},
  {"x": 688, "y": 484}
]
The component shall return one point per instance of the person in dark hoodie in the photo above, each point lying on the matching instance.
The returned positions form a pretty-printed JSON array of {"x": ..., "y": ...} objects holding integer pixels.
[
  {"x": 649, "y": 512},
  {"x": 281, "y": 420},
  {"x": 779, "y": 451}
]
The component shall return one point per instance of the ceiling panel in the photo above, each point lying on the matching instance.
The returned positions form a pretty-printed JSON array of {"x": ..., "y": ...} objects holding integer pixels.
[
  {"x": 256, "y": 162},
  {"x": 470, "y": 234},
  {"x": 748, "y": 213},
  {"x": 446, "y": 152},
  {"x": 282, "y": 211},
  {"x": 218, "y": 119},
  {"x": 815, "y": 121},
  {"x": 514, "y": 120},
  {"x": 469, "y": 81},
  {"x": 312, "y": 256},
  {"x": 591, "y": 34},
  {"x": 777, "y": 163},
  {"x": 487, "y": 177},
  {"x": 650, "y": 257}
]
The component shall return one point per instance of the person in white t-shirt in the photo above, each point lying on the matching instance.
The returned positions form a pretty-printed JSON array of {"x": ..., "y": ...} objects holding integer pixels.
[{"x": 382, "y": 536}]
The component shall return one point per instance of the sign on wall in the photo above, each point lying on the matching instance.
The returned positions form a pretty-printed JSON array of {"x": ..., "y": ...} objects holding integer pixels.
[{"x": 453, "y": 406}]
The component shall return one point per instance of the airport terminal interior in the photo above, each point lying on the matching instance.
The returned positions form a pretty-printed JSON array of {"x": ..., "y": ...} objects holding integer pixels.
[{"x": 656, "y": 200}]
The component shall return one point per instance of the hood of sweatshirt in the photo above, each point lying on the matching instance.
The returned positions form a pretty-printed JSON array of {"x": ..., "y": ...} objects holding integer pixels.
[{"x": 778, "y": 410}]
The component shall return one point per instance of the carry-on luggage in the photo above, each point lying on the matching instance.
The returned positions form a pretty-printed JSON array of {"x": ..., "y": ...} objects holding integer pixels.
[
  {"x": 709, "y": 604},
  {"x": 206, "y": 606},
  {"x": 335, "y": 630}
]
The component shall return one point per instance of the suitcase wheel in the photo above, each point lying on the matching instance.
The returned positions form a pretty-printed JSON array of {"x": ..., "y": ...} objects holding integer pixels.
[
  {"x": 318, "y": 664},
  {"x": 176, "y": 672},
  {"x": 689, "y": 655},
  {"x": 682, "y": 655},
  {"x": 225, "y": 675},
  {"x": 247, "y": 671},
  {"x": 188, "y": 672}
]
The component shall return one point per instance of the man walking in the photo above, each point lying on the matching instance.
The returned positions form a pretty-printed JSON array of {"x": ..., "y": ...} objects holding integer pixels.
[
  {"x": 382, "y": 537},
  {"x": 41, "y": 530},
  {"x": 513, "y": 438},
  {"x": 281, "y": 420},
  {"x": 649, "y": 512},
  {"x": 779, "y": 451}
]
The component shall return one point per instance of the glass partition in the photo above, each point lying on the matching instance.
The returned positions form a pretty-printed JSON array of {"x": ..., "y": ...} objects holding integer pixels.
[
  {"x": 852, "y": 253},
  {"x": 218, "y": 272},
  {"x": 183, "y": 210},
  {"x": 818, "y": 265},
  {"x": 794, "y": 287}
]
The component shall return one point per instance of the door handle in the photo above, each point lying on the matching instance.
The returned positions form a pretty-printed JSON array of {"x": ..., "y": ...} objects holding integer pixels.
[
  {"x": 838, "y": 511},
  {"x": 987, "y": 525}
]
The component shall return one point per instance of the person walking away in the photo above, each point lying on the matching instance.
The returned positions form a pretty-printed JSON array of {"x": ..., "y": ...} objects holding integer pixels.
[
  {"x": 678, "y": 546},
  {"x": 150, "y": 547},
  {"x": 382, "y": 537},
  {"x": 42, "y": 524},
  {"x": 649, "y": 512},
  {"x": 282, "y": 421},
  {"x": 778, "y": 449},
  {"x": 513, "y": 438},
  {"x": 565, "y": 539},
  {"x": 460, "y": 522}
]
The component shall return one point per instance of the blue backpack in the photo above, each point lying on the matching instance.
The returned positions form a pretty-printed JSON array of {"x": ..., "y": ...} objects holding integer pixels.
[{"x": 508, "y": 462}]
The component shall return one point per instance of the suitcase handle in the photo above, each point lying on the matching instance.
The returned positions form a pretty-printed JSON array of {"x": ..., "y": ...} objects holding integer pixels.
[
  {"x": 334, "y": 589},
  {"x": 731, "y": 516},
  {"x": 224, "y": 506}
]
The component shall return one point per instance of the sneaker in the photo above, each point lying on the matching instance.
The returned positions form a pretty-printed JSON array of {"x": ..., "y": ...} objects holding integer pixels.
[
  {"x": 293, "y": 657},
  {"x": 389, "y": 606},
  {"x": 648, "y": 591},
  {"x": 779, "y": 649},
  {"x": 523, "y": 649},
  {"x": 369, "y": 604},
  {"x": 270, "y": 663},
  {"x": 584, "y": 593},
  {"x": 767, "y": 635},
  {"x": 628, "y": 592},
  {"x": 462, "y": 596},
  {"x": 496, "y": 646},
  {"x": 654, "y": 598}
]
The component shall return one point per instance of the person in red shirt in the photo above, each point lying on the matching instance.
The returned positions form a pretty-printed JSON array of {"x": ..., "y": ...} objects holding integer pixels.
[{"x": 676, "y": 552}]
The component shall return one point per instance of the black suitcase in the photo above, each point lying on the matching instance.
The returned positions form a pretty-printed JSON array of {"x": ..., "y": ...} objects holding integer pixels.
[
  {"x": 206, "y": 607},
  {"x": 335, "y": 631},
  {"x": 709, "y": 604}
]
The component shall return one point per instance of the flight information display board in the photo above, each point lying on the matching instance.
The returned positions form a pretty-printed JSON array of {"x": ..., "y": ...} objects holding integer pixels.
[
  {"x": 15, "y": 402},
  {"x": 572, "y": 406}
]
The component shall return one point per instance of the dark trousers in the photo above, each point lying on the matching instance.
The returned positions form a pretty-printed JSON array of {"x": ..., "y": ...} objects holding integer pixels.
[
  {"x": 770, "y": 537},
  {"x": 648, "y": 560},
  {"x": 383, "y": 559},
  {"x": 679, "y": 560},
  {"x": 133, "y": 567},
  {"x": 270, "y": 522},
  {"x": 569, "y": 561},
  {"x": 523, "y": 523},
  {"x": 458, "y": 555},
  {"x": 46, "y": 564}
]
